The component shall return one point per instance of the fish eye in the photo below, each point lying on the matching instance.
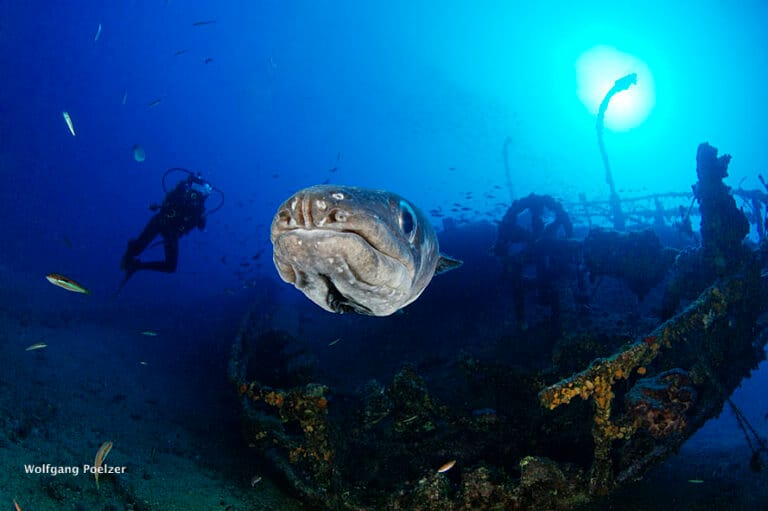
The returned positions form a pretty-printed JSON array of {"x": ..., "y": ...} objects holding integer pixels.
[{"x": 407, "y": 220}]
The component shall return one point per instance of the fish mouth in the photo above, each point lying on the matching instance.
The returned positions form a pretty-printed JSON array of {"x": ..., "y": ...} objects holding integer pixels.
[
  {"x": 338, "y": 302},
  {"x": 340, "y": 270},
  {"x": 379, "y": 247}
]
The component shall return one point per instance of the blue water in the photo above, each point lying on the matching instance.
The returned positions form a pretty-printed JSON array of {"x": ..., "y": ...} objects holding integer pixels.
[{"x": 413, "y": 97}]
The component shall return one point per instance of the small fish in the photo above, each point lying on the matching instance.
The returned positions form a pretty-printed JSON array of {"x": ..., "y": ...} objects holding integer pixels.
[
  {"x": 336, "y": 340},
  {"x": 180, "y": 52},
  {"x": 68, "y": 120},
  {"x": 154, "y": 102},
  {"x": 203, "y": 22},
  {"x": 66, "y": 283},
  {"x": 98, "y": 34},
  {"x": 696, "y": 481},
  {"x": 336, "y": 167},
  {"x": 255, "y": 480},
  {"x": 149, "y": 333},
  {"x": 36, "y": 346},
  {"x": 142, "y": 363},
  {"x": 125, "y": 96},
  {"x": 101, "y": 455},
  {"x": 16, "y": 505},
  {"x": 208, "y": 60},
  {"x": 138, "y": 153},
  {"x": 445, "y": 467},
  {"x": 411, "y": 419}
]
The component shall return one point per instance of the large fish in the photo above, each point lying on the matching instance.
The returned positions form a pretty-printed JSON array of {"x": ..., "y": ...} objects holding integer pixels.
[{"x": 356, "y": 250}]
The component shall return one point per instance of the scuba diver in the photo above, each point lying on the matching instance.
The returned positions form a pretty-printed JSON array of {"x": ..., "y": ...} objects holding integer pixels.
[{"x": 182, "y": 210}]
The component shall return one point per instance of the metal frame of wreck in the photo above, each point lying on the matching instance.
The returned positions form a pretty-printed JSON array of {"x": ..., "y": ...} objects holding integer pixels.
[
  {"x": 588, "y": 213},
  {"x": 597, "y": 381},
  {"x": 707, "y": 318}
]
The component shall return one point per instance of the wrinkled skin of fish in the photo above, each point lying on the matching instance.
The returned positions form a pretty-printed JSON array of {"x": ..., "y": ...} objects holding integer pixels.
[{"x": 355, "y": 250}]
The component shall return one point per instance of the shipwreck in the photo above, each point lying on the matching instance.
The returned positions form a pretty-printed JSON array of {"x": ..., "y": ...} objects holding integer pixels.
[{"x": 599, "y": 351}]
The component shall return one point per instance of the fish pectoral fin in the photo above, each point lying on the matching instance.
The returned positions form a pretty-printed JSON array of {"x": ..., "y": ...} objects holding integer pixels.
[{"x": 445, "y": 263}]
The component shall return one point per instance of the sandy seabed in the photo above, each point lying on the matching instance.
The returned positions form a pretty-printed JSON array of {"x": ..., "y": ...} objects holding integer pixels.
[{"x": 172, "y": 418}]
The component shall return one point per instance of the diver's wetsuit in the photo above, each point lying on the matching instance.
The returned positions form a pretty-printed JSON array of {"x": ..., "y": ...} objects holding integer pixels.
[{"x": 182, "y": 210}]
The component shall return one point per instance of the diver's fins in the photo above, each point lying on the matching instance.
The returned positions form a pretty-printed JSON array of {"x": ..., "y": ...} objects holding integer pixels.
[
  {"x": 128, "y": 275},
  {"x": 129, "y": 266}
]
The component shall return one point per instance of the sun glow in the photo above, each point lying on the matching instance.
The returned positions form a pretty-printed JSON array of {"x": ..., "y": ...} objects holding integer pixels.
[{"x": 597, "y": 69}]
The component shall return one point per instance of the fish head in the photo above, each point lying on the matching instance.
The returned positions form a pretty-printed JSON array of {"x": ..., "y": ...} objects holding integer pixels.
[{"x": 352, "y": 249}]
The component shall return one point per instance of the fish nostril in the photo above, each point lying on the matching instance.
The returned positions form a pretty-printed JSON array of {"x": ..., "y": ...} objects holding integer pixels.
[
  {"x": 307, "y": 213},
  {"x": 337, "y": 215}
]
